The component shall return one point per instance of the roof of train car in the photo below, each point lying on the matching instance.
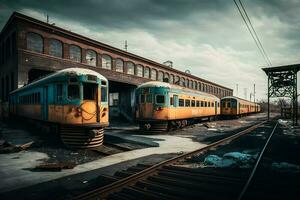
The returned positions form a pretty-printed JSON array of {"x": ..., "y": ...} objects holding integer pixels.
[
  {"x": 63, "y": 72},
  {"x": 172, "y": 86},
  {"x": 237, "y": 98}
]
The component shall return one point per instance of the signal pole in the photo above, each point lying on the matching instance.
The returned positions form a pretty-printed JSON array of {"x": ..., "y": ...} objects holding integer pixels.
[{"x": 254, "y": 92}]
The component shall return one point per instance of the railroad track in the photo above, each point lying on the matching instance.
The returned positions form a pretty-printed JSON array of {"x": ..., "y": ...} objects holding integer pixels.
[{"x": 171, "y": 179}]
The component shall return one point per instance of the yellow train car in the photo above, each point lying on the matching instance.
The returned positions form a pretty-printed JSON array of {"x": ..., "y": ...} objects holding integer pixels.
[
  {"x": 234, "y": 106},
  {"x": 161, "y": 105},
  {"x": 73, "y": 101}
]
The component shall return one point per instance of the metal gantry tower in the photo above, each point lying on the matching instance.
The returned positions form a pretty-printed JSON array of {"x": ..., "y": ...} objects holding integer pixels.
[{"x": 282, "y": 82}]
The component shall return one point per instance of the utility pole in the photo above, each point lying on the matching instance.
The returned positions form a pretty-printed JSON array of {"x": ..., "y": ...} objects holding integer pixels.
[
  {"x": 245, "y": 93},
  {"x": 237, "y": 90},
  {"x": 254, "y": 92},
  {"x": 47, "y": 19},
  {"x": 126, "y": 45}
]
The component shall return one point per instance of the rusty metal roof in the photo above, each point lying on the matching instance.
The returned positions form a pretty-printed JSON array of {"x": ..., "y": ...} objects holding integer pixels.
[{"x": 293, "y": 67}]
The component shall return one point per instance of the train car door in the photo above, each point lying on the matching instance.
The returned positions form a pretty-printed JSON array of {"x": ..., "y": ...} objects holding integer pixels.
[
  {"x": 216, "y": 107},
  {"x": 45, "y": 103},
  {"x": 175, "y": 109}
]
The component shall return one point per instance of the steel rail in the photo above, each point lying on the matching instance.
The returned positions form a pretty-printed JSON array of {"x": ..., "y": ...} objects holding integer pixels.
[
  {"x": 246, "y": 186},
  {"x": 102, "y": 192}
]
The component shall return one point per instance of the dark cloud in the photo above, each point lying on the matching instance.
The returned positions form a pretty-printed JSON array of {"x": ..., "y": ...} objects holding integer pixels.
[{"x": 120, "y": 13}]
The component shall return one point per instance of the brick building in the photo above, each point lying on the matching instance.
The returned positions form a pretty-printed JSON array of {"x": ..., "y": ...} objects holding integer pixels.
[{"x": 30, "y": 48}]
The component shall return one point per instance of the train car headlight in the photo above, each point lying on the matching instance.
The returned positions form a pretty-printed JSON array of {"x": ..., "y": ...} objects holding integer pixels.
[{"x": 159, "y": 108}]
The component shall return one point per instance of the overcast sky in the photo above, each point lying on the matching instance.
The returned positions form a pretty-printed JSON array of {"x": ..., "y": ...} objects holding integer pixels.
[{"x": 207, "y": 37}]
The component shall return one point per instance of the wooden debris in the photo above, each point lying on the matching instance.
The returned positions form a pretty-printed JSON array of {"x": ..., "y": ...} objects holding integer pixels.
[
  {"x": 26, "y": 145},
  {"x": 55, "y": 166},
  {"x": 6, "y": 147}
]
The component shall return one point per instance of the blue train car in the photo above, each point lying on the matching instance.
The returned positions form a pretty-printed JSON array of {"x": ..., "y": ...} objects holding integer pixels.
[{"x": 73, "y": 101}]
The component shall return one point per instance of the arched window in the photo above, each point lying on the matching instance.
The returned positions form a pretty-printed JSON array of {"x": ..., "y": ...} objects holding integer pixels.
[
  {"x": 177, "y": 80},
  {"x": 166, "y": 77},
  {"x": 146, "y": 72},
  {"x": 187, "y": 81},
  {"x": 35, "y": 42},
  {"x": 91, "y": 57},
  {"x": 182, "y": 81},
  {"x": 160, "y": 76},
  {"x": 153, "y": 74},
  {"x": 199, "y": 86},
  {"x": 55, "y": 48},
  {"x": 139, "y": 70},
  {"x": 130, "y": 68},
  {"x": 106, "y": 61},
  {"x": 191, "y": 84},
  {"x": 171, "y": 80},
  {"x": 75, "y": 53},
  {"x": 119, "y": 65}
]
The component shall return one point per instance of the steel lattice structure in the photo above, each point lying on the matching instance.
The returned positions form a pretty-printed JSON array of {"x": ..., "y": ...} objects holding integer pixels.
[{"x": 282, "y": 82}]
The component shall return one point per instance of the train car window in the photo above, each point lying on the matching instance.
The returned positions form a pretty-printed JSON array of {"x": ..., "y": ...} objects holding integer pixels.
[
  {"x": 223, "y": 104},
  {"x": 149, "y": 98},
  {"x": 205, "y": 104},
  {"x": 208, "y": 104},
  {"x": 160, "y": 99},
  {"x": 137, "y": 99},
  {"x": 212, "y": 104},
  {"x": 59, "y": 92},
  {"x": 142, "y": 98},
  {"x": 90, "y": 91},
  {"x": 73, "y": 92},
  {"x": 171, "y": 101},
  {"x": 187, "y": 103},
  {"x": 103, "y": 94},
  {"x": 218, "y": 104},
  {"x": 202, "y": 104},
  {"x": 73, "y": 80},
  {"x": 228, "y": 105},
  {"x": 193, "y": 103},
  {"x": 39, "y": 97},
  {"x": 197, "y": 104},
  {"x": 181, "y": 102}
]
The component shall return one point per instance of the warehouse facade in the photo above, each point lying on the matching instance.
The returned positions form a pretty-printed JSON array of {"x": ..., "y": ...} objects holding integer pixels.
[{"x": 30, "y": 48}]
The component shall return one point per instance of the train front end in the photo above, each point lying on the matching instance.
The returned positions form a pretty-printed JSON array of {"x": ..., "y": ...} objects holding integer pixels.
[
  {"x": 152, "y": 107},
  {"x": 229, "y": 106},
  {"x": 82, "y": 108}
]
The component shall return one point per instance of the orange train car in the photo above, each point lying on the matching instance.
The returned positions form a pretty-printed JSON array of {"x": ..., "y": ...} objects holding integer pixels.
[
  {"x": 234, "y": 106},
  {"x": 72, "y": 102},
  {"x": 160, "y": 106}
]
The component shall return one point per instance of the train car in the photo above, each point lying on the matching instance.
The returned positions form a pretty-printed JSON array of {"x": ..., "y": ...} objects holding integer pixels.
[
  {"x": 234, "y": 106},
  {"x": 73, "y": 102},
  {"x": 160, "y": 106}
]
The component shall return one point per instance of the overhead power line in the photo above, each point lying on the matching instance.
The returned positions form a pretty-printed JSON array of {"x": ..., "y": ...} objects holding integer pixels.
[{"x": 252, "y": 31}]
